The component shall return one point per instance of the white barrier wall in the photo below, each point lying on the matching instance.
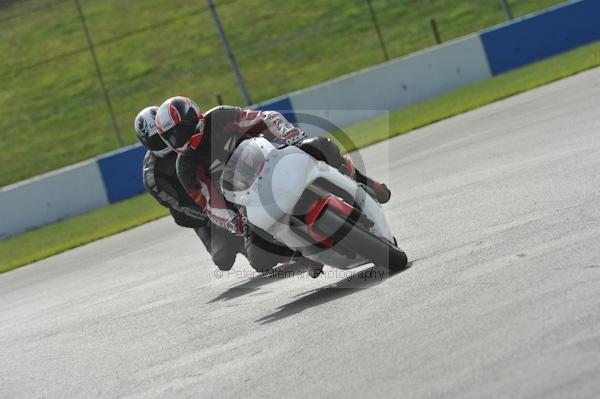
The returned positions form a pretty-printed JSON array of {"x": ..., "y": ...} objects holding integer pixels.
[
  {"x": 394, "y": 84},
  {"x": 51, "y": 197}
]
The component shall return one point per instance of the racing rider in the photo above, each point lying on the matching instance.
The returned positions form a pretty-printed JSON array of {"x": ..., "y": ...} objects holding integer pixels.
[{"x": 205, "y": 142}]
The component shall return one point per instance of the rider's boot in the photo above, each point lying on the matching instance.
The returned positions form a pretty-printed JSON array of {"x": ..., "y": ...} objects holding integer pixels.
[{"x": 381, "y": 192}]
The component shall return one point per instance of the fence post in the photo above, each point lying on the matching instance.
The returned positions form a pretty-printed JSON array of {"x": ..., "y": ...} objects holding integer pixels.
[
  {"x": 376, "y": 25},
  {"x": 434, "y": 28},
  {"x": 99, "y": 73},
  {"x": 229, "y": 52},
  {"x": 507, "y": 9}
]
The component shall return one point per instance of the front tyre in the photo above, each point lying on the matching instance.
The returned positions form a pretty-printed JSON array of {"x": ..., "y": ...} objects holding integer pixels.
[{"x": 357, "y": 238}]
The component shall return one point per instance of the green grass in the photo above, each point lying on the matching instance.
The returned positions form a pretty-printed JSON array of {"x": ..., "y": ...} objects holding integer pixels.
[
  {"x": 53, "y": 113},
  {"x": 59, "y": 237}
]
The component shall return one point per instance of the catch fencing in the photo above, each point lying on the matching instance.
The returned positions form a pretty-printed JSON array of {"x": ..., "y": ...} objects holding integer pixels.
[{"x": 75, "y": 72}]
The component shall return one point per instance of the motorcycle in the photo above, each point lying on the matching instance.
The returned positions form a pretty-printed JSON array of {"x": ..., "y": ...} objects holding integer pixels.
[{"x": 309, "y": 206}]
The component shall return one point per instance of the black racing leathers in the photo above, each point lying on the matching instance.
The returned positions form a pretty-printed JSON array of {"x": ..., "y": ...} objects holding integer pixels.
[{"x": 160, "y": 179}]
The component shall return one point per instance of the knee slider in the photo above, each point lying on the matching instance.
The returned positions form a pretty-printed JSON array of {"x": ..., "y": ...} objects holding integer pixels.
[{"x": 224, "y": 260}]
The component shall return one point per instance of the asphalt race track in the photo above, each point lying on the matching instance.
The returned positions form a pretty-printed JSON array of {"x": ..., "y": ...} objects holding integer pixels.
[{"x": 499, "y": 212}]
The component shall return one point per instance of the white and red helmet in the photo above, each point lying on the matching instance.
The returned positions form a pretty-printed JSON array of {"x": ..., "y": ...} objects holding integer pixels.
[{"x": 180, "y": 124}]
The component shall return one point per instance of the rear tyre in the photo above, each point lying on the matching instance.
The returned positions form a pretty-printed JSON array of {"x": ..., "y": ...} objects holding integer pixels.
[{"x": 398, "y": 259}]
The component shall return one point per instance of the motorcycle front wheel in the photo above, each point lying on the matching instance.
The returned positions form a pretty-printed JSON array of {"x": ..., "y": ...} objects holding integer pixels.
[{"x": 357, "y": 238}]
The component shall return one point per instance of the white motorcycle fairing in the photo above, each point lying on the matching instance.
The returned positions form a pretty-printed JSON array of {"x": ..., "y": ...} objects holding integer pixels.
[{"x": 270, "y": 182}]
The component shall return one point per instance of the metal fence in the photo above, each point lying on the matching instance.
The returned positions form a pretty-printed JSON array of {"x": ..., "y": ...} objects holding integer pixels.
[{"x": 74, "y": 74}]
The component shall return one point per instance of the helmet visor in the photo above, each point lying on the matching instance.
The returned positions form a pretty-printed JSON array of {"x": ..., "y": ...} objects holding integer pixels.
[
  {"x": 179, "y": 135},
  {"x": 155, "y": 143}
]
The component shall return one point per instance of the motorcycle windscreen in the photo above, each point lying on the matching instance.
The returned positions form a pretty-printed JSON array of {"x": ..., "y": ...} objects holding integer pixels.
[{"x": 243, "y": 168}]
